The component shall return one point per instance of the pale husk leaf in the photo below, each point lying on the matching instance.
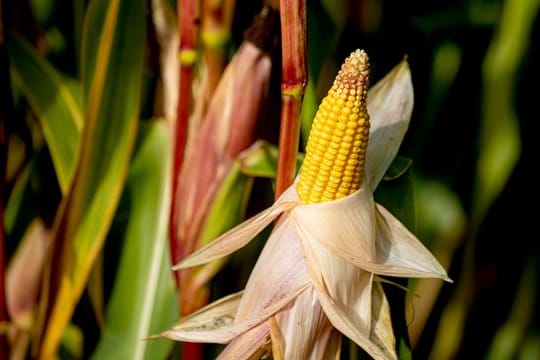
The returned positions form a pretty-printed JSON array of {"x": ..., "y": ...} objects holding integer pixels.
[
  {"x": 363, "y": 302},
  {"x": 278, "y": 276},
  {"x": 213, "y": 323},
  {"x": 341, "y": 321},
  {"x": 252, "y": 345},
  {"x": 401, "y": 253},
  {"x": 347, "y": 224},
  {"x": 331, "y": 278},
  {"x": 349, "y": 287},
  {"x": 345, "y": 228},
  {"x": 278, "y": 341},
  {"x": 382, "y": 332},
  {"x": 240, "y": 235},
  {"x": 306, "y": 331},
  {"x": 333, "y": 346},
  {"x": 389, "y": 103}
]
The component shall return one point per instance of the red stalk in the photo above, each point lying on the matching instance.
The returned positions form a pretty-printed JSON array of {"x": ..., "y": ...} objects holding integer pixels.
[
  {"x": 293, "y": 83},
  {"x": 215, "y": 34},
  {"x": 187, "y": 12}
]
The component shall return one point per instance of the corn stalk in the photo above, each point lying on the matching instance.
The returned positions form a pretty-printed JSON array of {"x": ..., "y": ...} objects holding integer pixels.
[
  {"x": 293, "y": 84},
  {"x": 187, "y": 12},
  {"x": 215, "y": 34},
  {"x": 226, "y": 129}
]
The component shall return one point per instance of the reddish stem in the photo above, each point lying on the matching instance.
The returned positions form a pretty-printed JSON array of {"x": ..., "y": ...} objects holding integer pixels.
[
  {"x": 288, "y": 142},
  {"x": 293, "y": 83},
  {"x": 192, "y": 351},
  {"x": 187, "y": 12},
  {"x": 187, "y": 20},
  {"x": 215, "y": 33}
]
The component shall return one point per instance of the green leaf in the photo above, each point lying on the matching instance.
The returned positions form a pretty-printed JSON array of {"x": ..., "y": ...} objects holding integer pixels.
[
  {"x": 404, "y": 351},
  {"x": 113, "y": 53},
  {"x": 397, "y": 196},
  {"x": 441, "y": 217},
  {"x": 143, "y": 300},
  {"x": 397, "y": 168},
  {"x": 56, "y": 103},
  {"x": 72, "y": 343},
  {"x": 78, "y": 16},
  {"x": 309, "y": 109},
  {"x": 42, "y": 9},
  {"x": 17, "y": 198},
  {"x": 325, "y": 24},
  {"x": 510, "y": 337},
  {"x": 500, "y": 142},
  {"x": 260, "y": 160},
  {"x": 226, "y": 211},
  {"x": 336, "y": 10},
  {"x": 229, "y": 204}
]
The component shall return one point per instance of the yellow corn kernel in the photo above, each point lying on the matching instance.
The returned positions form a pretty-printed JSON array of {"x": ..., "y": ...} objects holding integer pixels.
[{"x": 334, "y": 162}]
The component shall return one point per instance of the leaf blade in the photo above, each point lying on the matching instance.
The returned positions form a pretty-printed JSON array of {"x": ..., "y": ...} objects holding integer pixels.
[
  {"x": 111, "y": 122},
  {"x": 134, "y": 299},
  {"x": 55, "y": 104}
]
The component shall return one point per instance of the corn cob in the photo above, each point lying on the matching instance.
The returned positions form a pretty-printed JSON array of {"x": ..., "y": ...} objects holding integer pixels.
[{"x": 335, "y": 154}]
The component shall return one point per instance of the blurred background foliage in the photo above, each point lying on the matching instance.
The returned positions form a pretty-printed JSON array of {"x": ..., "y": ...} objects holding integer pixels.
[{"x": 474, "y": 68}]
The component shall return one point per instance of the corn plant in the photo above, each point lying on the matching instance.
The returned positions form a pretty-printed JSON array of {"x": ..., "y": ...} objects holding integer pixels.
[{"x": 237, "y": 179}]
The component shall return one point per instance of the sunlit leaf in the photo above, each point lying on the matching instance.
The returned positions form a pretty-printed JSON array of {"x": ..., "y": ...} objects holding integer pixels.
[
  {"x": 95, "y": 290},
  {"x": 113, "y": 56},
  {"x": 144, "y": 291}
]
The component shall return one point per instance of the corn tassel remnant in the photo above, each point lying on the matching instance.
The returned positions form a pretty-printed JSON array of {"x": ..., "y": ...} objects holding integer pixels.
[{"x": 334, "y": 164}]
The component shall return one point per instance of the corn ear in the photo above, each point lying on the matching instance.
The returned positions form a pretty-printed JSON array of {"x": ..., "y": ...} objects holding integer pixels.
[{"x": 335, "y": 153}]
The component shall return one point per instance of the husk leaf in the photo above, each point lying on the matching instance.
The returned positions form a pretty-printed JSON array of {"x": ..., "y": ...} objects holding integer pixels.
[
  {"x": 213, "y": 323},
  {"x": 346, "y": 224},
  {"x": 389, "y": 103},
  {"x": 251, "y": 345},
  {"x": 279, "y": 275},
  {"x": 240, "y": 235},
  {"x": 401, "y": 252},
  {"x": 315, "y": 338},
  {"x": 352, "y": 325}
]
